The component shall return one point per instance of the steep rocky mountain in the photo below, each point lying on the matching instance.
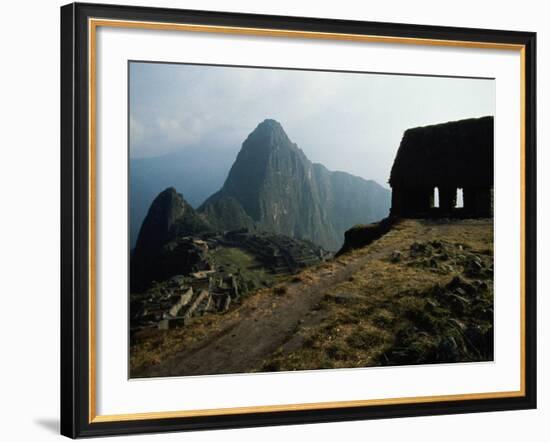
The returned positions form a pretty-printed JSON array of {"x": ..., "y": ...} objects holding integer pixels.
[
  {"x": 273, "y": 186},
  {"x": 169, "y": 217}
]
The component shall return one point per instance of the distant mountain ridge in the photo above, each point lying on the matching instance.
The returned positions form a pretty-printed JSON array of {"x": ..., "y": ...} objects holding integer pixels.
[{"x": 273, "y": 186}]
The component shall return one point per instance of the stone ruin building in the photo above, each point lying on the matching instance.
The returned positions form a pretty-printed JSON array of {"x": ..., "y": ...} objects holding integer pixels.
[
  {"x": 190, "y": 283},
  {"x": 174, "y": 303},
  {"x": 436, "y": 163}
]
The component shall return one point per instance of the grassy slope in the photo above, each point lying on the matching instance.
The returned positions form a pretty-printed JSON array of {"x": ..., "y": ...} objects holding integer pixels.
[
  {"x": 237, "y": 261},
  {"x": 429, "y": 300}
]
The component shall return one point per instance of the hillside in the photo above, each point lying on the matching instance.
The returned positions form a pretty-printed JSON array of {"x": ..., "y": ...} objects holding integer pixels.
[
  {"x": 422, "y": 293},
  {"x": 169, "y": 217}
]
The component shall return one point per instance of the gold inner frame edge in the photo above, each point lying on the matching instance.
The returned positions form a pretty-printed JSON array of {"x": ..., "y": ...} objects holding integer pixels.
[{"x": 93, "y": 24}]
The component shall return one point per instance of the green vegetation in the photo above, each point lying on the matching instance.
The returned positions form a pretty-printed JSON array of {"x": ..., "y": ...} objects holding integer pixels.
[{"x": 252, "y": 276}]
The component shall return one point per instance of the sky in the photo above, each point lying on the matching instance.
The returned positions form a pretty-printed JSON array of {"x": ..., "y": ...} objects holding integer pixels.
[{"x": 351, "y": 122}]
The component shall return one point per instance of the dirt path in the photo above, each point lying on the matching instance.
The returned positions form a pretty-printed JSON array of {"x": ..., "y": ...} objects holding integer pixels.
[{"x": 266, "y": 321}]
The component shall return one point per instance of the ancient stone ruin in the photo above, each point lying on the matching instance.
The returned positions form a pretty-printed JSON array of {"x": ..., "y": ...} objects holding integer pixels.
[
  {"x": 175, "y": 302},
  {"x": 191, "y": 282},
  {"x": 435, "y": 165},
  {"x": 278, "y": 253}
]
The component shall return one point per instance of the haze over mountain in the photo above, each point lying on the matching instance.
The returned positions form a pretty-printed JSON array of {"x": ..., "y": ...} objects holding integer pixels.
[
  {"x": 273, "y": 187},
  {"x": 196, "y": 172}
]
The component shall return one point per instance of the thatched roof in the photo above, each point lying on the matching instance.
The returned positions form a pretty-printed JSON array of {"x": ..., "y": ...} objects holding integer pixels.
[{"x": 458, "y": 153}]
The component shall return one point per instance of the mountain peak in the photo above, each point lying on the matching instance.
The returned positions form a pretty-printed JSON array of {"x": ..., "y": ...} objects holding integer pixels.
[
  {"x": 273, "y": 186},
  {"x": 169, "y": 192},
  {"x": 168, "y": 215},
  {"x": 268, "y": 134},
  {"x": 166, "y": 208},
  {"x": 270, "y": 123}
]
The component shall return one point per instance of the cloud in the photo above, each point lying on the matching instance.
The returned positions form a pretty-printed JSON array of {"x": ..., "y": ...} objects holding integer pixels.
[{"x": 351, "y": 122}]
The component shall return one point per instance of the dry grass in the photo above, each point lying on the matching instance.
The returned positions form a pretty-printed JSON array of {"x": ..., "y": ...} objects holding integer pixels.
[{"x": 397, "y": 313}]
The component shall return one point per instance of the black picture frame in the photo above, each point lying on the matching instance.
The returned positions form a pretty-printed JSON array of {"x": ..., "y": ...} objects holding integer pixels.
[{"x": 75, "y": 219}]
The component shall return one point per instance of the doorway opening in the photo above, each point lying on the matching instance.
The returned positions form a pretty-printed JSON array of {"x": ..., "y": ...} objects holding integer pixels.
[
  {"x": 459, "y": 199},
  {"x": 436, "y": 198}
]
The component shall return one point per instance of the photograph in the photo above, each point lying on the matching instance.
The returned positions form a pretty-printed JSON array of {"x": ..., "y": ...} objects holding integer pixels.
[
  {"x": 292, "y": 219},
  {"x": 247, "y": 221}
]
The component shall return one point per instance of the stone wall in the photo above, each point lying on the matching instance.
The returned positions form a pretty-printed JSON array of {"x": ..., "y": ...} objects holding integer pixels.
[{"x": 448, "y": 156}]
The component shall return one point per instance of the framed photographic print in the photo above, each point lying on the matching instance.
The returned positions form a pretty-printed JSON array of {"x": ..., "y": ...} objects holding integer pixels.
[{"x": 274, "y": 220}]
